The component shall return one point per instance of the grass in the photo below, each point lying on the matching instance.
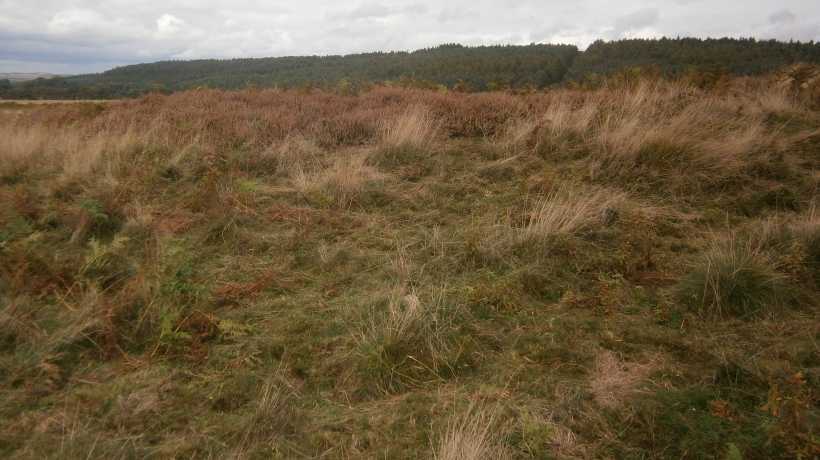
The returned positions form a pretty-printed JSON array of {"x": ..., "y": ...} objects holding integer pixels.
[
  {"x": 732, "y": 278},
  {"x": 628, "y": 271},
  {"x": 409, "y": 138},
  {"x": 564, "y": 211},
  {"x": 472, "y": 436}
]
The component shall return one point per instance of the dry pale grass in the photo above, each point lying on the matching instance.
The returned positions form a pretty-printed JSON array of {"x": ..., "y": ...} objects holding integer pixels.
[
  {"x": 568, "y": 209},
  {"x": 542, "y": 435},
  {"x": 341, "y": 183},
  {"x": 567, "y": 115},
  {"x": 415, "y": 128},
  {"x": 20, "y": 146},
  {"x": 273, "y": 414},
  {"x": 412, "y": 135},
  {"x": 806, "y": 230},
  {"x": 705, "y": 136},
  {"x": 773, "y": 98},
  {"x": 691, "y": 130},
  {"x": 473, "y": 435},
  {"x": 680, "y": 134},
  {"x": 293, "y": 155},
  {"x": 347, "y": 177},
  {"x": 75, "y": 324},
  {"x": 614, "y": 380},
  {"x": 77, "y": 155}
]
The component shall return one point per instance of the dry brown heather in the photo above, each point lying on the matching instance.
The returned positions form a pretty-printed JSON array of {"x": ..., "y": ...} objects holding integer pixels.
[{"x": 623, "y": 272}]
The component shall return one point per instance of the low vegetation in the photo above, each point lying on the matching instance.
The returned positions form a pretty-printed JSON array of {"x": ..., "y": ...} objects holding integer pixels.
[{"x": 621, "y": 270}]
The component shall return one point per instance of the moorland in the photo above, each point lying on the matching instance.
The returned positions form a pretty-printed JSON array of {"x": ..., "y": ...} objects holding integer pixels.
[{"x": 622, "y": 269}]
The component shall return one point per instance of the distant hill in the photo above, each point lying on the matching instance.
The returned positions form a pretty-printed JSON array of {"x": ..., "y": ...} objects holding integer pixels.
[
  {"x": 16, "y": 77},
  {"x": 478, "y": 68},
  {"x": 538, "y": 65}
]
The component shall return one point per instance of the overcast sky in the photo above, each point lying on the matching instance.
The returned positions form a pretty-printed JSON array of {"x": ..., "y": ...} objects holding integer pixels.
[{"x": 81, "y": 36}]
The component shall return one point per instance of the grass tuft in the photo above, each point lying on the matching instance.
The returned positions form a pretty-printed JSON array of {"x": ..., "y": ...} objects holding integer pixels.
[
  {"x": 410, "y": 137},
  {"x": 409, "y": 344},
  {"x": 733, "y": 279}
]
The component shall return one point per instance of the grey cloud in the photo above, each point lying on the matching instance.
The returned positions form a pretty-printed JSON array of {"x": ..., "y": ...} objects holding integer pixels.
[
  {"x": 450, "y": 14},
  {"x": 782, "y": 16},
  {"x": 367, "y": 10},
  {"x": 548, "y": 31},
  {"x": 416, "y": 9},
  {"x": 788, "y": 31},
  {"x": 637, "y": 20}
]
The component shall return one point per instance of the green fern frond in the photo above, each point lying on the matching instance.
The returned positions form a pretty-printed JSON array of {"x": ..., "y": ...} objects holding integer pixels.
[
  {"x": 230, "y": 330},
  {"x": 99, "y": 259},
  {"x": 734, "y": 453}
]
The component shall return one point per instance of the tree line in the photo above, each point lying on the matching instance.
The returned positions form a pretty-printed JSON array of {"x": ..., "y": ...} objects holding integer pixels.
[{"x": 448, "y": 66}]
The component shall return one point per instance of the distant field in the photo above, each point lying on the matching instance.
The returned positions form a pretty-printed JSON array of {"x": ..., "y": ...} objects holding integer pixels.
[
  {"x": 42, "y": 102},
  {"x": 22, "y": 106},
  {"x": 23, "y": 76},
  {"x": 624, "y": 270}
]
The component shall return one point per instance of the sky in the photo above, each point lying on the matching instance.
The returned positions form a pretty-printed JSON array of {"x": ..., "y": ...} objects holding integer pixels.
[{"x": 86, "y": 36}]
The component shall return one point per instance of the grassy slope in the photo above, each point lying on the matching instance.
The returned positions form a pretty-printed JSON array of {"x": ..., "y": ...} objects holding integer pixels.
[{"x": 616, "y": 273}]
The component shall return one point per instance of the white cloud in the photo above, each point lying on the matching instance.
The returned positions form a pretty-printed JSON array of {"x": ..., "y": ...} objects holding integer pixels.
[
  {"x": 86, "y": 24},
  {"x": 171, "y": 27},
  {"x": 249, "y": 43}
]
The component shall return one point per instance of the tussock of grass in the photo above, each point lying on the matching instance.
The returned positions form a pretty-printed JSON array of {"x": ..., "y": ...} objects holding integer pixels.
[
  {"x": 410, "y": 344},
  {"x": 411, "y": 137},
  {"x": 731, "y": 278},
  {"x": 293, "y": 156},
  {"x": 346, "y": 179},
  {"x": 341, "y": 184},
  {"x": 273, "y": 415},
  {"x": 20, "y": 147}
]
